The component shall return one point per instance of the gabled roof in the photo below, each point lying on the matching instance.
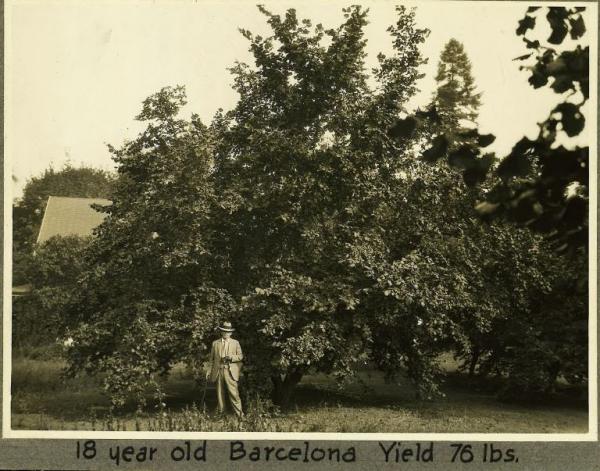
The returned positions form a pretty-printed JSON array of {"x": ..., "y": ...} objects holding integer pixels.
[{"x": 70, "y": 216}]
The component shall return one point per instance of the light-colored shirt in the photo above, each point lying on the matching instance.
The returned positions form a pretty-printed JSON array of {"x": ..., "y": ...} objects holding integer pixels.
[{"x": 225, "y": 344}]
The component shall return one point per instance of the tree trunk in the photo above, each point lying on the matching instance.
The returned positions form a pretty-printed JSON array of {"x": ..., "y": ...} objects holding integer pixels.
[
  {"x": 553, "y": 371},
  {"x": 474, "y": 359},
  {"x": 283, "y": 390}
]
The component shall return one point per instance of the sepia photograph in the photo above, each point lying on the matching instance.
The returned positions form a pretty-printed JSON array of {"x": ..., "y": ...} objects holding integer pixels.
[{"x": 299, "y": 218}]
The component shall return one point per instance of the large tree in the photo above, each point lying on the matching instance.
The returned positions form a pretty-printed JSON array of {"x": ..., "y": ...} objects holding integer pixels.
[
  {"x": 302, "y": 215},
  {"x": 300, "y": 177},
  {"x": 304, "y": 158}
]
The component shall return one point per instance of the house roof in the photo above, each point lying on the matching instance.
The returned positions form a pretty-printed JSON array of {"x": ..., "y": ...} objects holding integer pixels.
[{"x": 70, "y": 216}]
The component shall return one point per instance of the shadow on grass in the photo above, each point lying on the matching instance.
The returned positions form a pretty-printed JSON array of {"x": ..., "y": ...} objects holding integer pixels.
[
  {"x": 367, "y": 404},
  {"x": 563, "y": 396}
]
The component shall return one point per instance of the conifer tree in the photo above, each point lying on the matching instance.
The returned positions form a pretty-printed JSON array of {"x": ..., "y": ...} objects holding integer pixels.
[{"x": 455, "y": 97}]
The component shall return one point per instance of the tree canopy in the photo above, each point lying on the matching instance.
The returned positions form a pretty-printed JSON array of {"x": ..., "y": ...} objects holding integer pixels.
[{"x": 306, "y": 217}]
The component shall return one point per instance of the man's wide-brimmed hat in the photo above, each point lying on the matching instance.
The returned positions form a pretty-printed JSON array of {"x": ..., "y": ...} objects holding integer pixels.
[{"x": 226, "y": 327}]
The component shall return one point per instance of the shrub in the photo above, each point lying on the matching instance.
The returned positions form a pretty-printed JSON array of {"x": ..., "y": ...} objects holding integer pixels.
[{"x": 38, "y": 318}]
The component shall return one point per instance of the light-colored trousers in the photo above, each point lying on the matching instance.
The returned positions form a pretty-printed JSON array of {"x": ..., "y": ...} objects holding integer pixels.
[{"x": 226, "y": 385}]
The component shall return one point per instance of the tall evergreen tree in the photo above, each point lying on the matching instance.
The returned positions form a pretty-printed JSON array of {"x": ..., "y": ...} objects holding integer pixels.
[{"x": 455, "y": 97}]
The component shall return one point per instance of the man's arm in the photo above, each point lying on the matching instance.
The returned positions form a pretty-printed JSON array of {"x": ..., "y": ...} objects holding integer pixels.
[{"x": 237, "y": 356}]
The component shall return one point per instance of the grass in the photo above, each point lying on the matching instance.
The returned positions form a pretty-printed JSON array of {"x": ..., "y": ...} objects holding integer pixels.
[{"x": 42, "y": 401}]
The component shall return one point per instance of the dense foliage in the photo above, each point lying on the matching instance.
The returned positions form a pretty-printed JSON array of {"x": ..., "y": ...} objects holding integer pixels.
[
  {"x": 141, "y": 303},
  {"x": 305, "y": 216},
  {"x": 38, "y": 316},
  {"x": 530, "y": 285}
]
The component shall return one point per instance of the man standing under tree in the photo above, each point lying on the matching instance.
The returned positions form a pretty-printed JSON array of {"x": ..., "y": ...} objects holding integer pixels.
[{"x": 226, "y": 364}]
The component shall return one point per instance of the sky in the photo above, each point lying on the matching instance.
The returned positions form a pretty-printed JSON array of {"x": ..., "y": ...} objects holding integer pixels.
[{"x": 78, "y": 71}]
